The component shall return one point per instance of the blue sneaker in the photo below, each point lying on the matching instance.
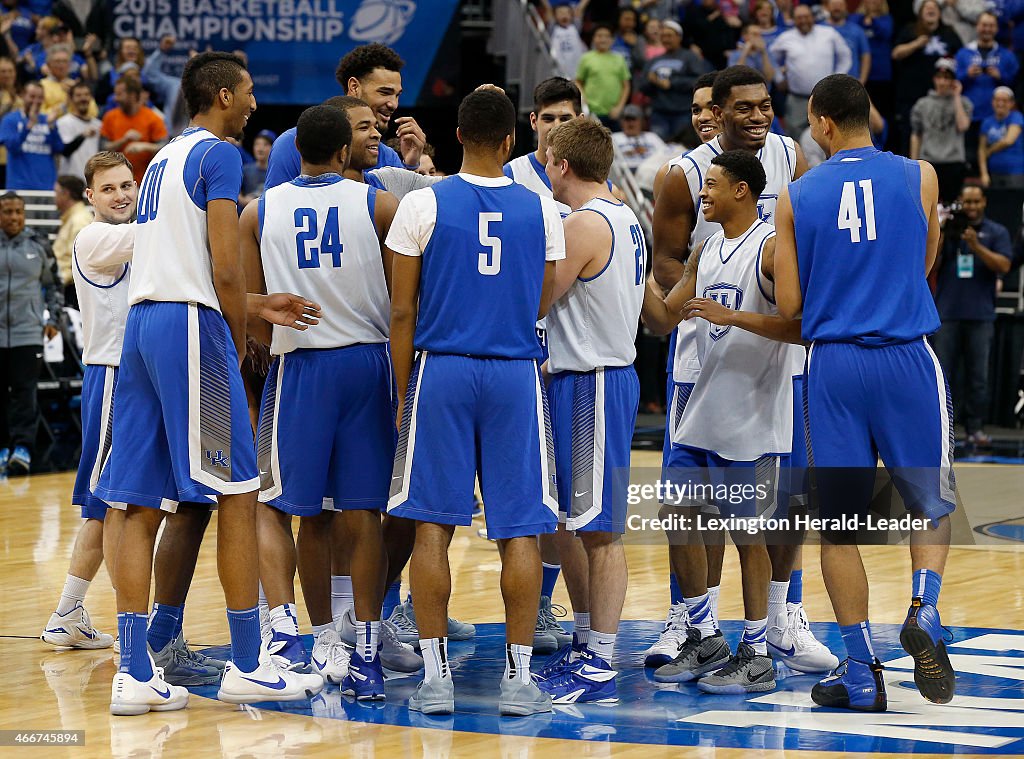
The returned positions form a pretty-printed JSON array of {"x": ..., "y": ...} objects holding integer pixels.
[
  {"x": 853, "y": 685},
  {"x": 922, "y": 637},
  {"x": 20, "y": 461},
  {"x": 589, "y": 680},
  {"x": 287, "y": 652},
  {"x": 5, "y": 457},
  {"x": 365, "y": 679},
  {"x": 556, "y": 664}
]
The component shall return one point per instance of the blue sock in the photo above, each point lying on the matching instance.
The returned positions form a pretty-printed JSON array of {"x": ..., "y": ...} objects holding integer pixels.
[
  {"x": 180, "y": 623},
  {"x": 675, "y": 594},
  {"x": 796, "y": 587},
  {"x": 858, "y": 641},
  {"x": 927, "y": 585},
  {"x": 161, "y": 625},
  {"x": 547, "y": 585},
  {"x": 245, "y": 638},
  {"x": 134, "y": 657},
  {"x": 392, "y": 598}
]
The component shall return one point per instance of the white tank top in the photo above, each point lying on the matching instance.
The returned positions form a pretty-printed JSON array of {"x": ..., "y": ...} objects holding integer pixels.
[
  {"x": 594, "y": 324},
  {"x": 172, "y": 250},
  {"x": 778, "y": 156},
  {"x": 742, "y": 405},
  {"x": 529, "y": 172},
  {"x": 317, "y": 238},
  {"x": 100, "y": 267}
]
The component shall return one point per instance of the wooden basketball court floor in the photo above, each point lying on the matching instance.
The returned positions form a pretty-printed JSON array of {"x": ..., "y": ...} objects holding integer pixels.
[{"x": 44, "y": 689}]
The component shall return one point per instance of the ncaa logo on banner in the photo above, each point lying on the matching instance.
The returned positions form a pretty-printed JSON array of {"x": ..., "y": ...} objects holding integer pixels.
[
  {"x": 381, "y": 21},
  {"x": 729, "y": 296}
]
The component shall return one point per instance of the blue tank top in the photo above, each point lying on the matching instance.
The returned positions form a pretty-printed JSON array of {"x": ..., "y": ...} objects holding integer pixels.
[
  {"x": 483, "y": 270},
  {"x": 860, "y": 239}
]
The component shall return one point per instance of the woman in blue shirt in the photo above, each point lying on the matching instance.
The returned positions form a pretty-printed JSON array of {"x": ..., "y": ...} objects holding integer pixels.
[
  {"x": 1001, "y": 144},
  {"x": 878, "y": 27}
]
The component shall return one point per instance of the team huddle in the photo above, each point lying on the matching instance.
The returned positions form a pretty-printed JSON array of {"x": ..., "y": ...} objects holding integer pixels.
[{"x": 429, "y": 335}]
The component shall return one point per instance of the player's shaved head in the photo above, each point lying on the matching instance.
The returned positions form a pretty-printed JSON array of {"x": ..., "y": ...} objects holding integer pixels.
[
  {"x": 842, "y": 99},
  {"x": 486, "y": 118},
  {"x": 743, "y": 166},
  {"x": 587, "y": 147},
  {"x": 204, "y": 77},
  {"x": 321, "y": 133}
]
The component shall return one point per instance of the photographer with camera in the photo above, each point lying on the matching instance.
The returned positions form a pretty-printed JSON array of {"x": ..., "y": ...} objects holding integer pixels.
[{"x": 974, "y": 252}]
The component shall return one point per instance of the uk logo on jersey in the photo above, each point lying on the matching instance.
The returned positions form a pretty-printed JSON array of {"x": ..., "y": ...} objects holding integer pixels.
[{"x": 729, "y": 296}]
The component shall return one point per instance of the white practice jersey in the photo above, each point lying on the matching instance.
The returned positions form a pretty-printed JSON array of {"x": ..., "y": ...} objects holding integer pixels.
[
  {"x": 778, "y": 156},
  {"x": 317, "y": 238},
  {"x": 742, "y": 405},
  {"x": 172, "y": 251},
  {"x": 100, "y": 267},
  {"x": 594, "y": 324},
  {"x": 529, "y": 172}
]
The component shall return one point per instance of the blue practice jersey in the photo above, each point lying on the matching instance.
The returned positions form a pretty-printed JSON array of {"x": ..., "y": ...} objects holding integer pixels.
[
  {"x": 285, "y": 163},
  {"x": 861, "y": 237},
  {"x": 484, "y": 245}
]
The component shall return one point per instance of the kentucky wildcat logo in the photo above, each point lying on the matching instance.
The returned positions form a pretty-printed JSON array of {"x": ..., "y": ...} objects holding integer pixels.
[{"x": 729, "y": 296}]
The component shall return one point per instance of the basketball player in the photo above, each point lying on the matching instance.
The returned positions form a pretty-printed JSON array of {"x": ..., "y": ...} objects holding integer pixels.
[
  {"x": 743, "y": 108},
  {"x": 473, "y": 271},
  {"x": 184, "y": 339},
  {"x": 373, "y": 74},
  {"x": 856, "y": 240},
  {"x": 594, "y": 392},
  {"x": 673, "y": 634},
  {"x": 732, "y": 421},
  {"x": 326, "y": 429}
]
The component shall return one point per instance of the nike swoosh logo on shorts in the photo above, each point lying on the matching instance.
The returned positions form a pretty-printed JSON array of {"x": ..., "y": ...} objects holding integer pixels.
[
  {"x": 279, "y": 685},
  {"x": 579, "y": 495}
]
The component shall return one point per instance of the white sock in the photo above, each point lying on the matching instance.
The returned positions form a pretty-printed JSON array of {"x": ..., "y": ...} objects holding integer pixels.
[
  {"x": 317, "y": 629},
  {"x": 581, "y": 627},
  {"x": 713, "y": 594},
  {"x": 517, "y": 662},
  {"x": 602, "y": 644},
  {"x": 284, "y": 619},
  {"x": 777, "y": 592},
  {"x": 435, "y": 659},
  {"x": 262, "y": 601},
  {"x": 701, "y": 614},
  {"x": 754, "y": 631},
  {"x": 342, "y": 598},
  {"x": 368, "y": 639},
  {"x": 73, "y": 594}
]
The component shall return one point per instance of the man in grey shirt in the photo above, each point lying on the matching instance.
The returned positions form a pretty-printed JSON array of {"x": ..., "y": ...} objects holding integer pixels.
[{"x": 938, "y": 122}]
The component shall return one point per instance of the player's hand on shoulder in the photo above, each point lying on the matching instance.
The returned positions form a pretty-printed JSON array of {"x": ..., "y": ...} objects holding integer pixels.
[{"x": 288, "y": 310}]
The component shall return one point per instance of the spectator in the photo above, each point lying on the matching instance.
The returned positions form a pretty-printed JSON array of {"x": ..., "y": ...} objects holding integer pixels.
[
  {"x": 784, "y": 14},
  {"x": 938, "y": 122},
  {"x": 254, "y": 173},
  {"x": 763, "y": 16},
  {"x": 668, "y": 80},
  {"x": 58, "y": 83},
  {"x": 711, "y": 30},
  {"x": 566, "y": 43},
  {"x": 32, "y": 143},
  {"x": 49, "y": 32},
  {"x": 10, "y": 100},
  {"x": 603, "y": 78},
  {"x": 753, "y": 51},
  {"x": 982, "y": 66},
  {"x": 807, "y": 54},
  {"x": 877, "y": 24},
  {"x": 133, "y": 128},
  {"x": 129, "y": 50},
  {"x": 968, "y": 269},
  {"x": 854, "y": 37},
  {"x": 166, "y": 87},
  {"x": 31, "y": 281},
  {"x": 16, "y": 27},
  {"x": 916, "y": 49},
  {"x": 427, "y": 167},
  {"x": 1001, "y": 144},
  {"x": 68, "y": 195},
  {"x": 633, "y": 142},
  {"x": 626, "y": 34},
  {"x": 649, "y": 45},
  {"x": 79, "y": 130}
]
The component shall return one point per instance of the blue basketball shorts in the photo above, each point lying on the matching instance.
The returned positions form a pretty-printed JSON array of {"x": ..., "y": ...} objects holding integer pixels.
[
  {"x": 794, "y": 484},
  {"x": 706, "y": 481},
  {"x": 678, "y": 395},
  {"x": 592, "y": 416},
  {"x": 98, "y": 384},
  {"x": 890, "y": 401},
  {"x": 181, "y": 429},
  {"x": 466, "y": 416},
  {"x": 327, "y": 430},
  {"x": 670, "y": 390}
]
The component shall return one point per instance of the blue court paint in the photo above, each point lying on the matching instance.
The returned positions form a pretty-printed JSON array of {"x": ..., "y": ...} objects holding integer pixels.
[
  {"x": 1008, "y": 530},
  {"x": 987, "y": 715}
]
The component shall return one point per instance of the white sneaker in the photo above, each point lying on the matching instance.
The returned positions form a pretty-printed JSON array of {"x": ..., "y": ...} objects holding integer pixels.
[
  {"x": 268, "y": 682},
  {"x": 129, "y": 696},
  {"x": 75, "y": 630},
  {"x": 671, "y": 639},
  {"x": 330, "y": 657},
  {"x": 791, "y": 642}
]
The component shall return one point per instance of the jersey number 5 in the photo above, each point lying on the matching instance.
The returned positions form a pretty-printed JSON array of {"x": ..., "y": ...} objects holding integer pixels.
[
  {"x": 489, "y": 262},
  {"x": 848, "y": 216}
]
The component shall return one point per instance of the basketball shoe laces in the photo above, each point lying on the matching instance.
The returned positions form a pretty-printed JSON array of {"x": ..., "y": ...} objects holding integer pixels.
[{"x": 552, "y": 614}]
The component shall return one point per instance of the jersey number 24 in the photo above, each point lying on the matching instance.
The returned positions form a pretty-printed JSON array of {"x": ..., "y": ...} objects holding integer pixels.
[{"x": 307, "y": 230}]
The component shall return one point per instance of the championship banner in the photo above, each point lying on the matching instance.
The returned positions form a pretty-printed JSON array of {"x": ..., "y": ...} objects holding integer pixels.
[{"x": 294, "y": 45}]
